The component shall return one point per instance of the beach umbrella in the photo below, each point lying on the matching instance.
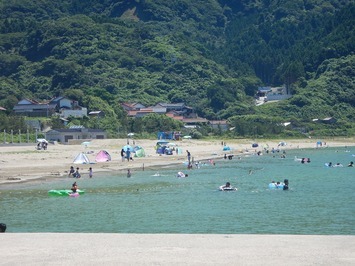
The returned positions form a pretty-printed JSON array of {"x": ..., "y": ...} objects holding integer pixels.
[
  {"x": 187, "y": 137},
  {"x": 130, "y": 134},
  {"x": 86, "y": 143},
  {"x": 171, "y": 144},
  {"x": 126, "y": 147}
]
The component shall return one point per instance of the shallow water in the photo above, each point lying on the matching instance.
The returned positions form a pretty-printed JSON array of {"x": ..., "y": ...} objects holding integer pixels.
[{"x": 320, "y": 199}]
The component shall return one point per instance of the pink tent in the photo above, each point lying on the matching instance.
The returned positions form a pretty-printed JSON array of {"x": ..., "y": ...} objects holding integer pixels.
[{"x": 103, "y": 156}]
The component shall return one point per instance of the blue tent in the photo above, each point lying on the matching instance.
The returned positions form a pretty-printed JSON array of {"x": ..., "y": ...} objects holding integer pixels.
[{"x": 125, "y": 148}]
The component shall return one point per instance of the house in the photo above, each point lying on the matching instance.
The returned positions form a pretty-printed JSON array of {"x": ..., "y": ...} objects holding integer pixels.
[
  {"x": 194, "y": 122},
  {"x": 145, "y": 111},
  {"x": 266, "y": 94},
  {"x": 219, "y": 124},
  {"x": 64, "y": 106},
  {"x": 175, "y": 115},
  {"x": 132, "y": 106},
  {"x": 329, "y": 120},
  {"x": 262, "y": 91},
  {"x": 97, "y": 113},
  {"x": 179, "y": 108},
  {"x": 139, "y": 113},
  {"x": 32, "y": 108},
  {"x": 76, "y": 133},
  {"x": 67, "y": 107},
  {"x": 139, "y": 110}
]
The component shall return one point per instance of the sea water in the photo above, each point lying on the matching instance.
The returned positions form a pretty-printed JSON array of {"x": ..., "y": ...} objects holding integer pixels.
[{"x": 320, "y": 200}]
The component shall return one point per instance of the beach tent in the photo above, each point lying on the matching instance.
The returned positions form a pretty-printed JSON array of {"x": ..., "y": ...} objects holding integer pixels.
[
  {"x": 226, "y": 148},
  {"x": 140, "y": 153},
  {"x": 103, "y": 156},
  {"x": 81, "y": 158},
  {"x": 254, "y": 145},
  {"x": 86, "y": 143},
  {"x": 282, "y": 143},
  {"x": 162, "y": 142}
]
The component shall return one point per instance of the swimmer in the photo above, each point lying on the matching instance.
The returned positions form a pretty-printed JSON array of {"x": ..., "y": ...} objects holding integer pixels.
[
  {"x": 181, "y": 174},
  {"x": 227, "y": 187}
]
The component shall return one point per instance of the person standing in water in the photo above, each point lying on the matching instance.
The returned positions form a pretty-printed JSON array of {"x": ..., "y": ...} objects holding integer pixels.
[
  {"x": 285, "y": 187},
  {"x": 188, "y": 156},
  {"x": 129, "y": 174},
  {"x": 90, "y": 172}
]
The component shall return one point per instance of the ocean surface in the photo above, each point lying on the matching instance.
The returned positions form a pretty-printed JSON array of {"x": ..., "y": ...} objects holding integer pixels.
[{"x": 320, "y": 201}]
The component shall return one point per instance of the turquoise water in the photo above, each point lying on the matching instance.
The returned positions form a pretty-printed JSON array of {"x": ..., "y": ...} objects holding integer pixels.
[{"x": 320, "y": 199}]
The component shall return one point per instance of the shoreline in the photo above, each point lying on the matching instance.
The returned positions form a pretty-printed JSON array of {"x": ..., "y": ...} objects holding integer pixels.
[{"x": 23, "y": 164}]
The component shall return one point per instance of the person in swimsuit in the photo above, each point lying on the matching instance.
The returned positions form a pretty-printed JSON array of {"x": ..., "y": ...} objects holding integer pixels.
[{"x": 74, "y": 187}]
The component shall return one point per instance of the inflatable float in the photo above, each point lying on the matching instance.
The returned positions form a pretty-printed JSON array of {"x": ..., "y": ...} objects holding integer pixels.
[
  {"x": 181, "y": 175},
  {"x": 223, "y": 188},
  {"x": 276, "y": 186},
  {"x": 302, "y": 160},
  {"x": 333, "y": 165},
  {"x": 279, "y": 185},
  {"x": 65, "y": 192}
]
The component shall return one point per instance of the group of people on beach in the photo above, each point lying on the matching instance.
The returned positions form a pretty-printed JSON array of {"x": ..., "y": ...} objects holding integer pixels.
[
  {"x": 42, "y": 145},
  {"x": 75, "y": 173},
  {"x": 126, "y": 155}
]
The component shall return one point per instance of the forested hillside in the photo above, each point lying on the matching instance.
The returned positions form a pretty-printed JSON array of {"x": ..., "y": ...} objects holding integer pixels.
[{"x": 210, "y": 54}]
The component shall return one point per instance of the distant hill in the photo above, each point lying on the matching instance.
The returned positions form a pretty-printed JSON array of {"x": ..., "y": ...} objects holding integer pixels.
[{"x": 210, "y": 54}]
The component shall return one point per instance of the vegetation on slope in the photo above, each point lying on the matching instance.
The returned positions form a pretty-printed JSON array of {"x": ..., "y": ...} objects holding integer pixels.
[{"x": 210, "y": 54}]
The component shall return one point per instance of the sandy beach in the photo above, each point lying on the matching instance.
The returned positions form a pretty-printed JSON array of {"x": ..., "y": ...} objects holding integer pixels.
[
  {"x": 172, "y": 249},
  {"x": 23, "y": 163}
]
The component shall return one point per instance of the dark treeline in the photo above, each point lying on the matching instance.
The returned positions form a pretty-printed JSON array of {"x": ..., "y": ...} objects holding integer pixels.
[{"x": 210, "y": 54}]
